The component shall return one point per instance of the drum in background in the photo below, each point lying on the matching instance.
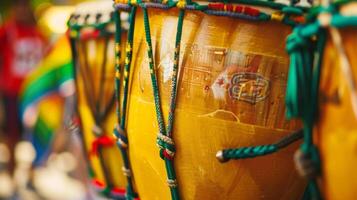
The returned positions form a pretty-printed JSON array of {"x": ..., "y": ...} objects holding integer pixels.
[
  {"x": 336, "y": 127},
  {"x": 92, "y": 37},
  {"x": 231, "y": 89},
  {"x": 322, "y": 83}
]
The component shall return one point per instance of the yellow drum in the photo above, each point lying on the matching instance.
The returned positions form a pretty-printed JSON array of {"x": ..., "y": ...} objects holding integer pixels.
[
  {"x": 230, "y": 67},
  {"x": 322, "y": 55},
  {"x": 337, "y": 124},
  {"x": 91, "y": 31}
]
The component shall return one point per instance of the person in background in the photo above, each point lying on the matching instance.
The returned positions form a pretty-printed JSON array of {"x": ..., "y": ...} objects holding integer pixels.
[{"x": 22, "y": 47}]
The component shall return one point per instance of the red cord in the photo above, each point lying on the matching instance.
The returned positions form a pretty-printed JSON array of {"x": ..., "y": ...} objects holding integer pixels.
[{"x": 102, "y": 141}]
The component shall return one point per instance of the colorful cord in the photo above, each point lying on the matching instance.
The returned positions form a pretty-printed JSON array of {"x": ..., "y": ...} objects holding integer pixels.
[
  {"x": 119, "y": 130},
  {"x": 164, "y": 138}
]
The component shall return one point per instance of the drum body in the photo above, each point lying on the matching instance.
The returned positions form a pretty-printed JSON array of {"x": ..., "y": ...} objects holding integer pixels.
[
  {"x": 92, "y": 36},
  {"x": 231, "y": 92},
  {"x": 111, "y": 161},
  {"x": 337, "y": 123}
]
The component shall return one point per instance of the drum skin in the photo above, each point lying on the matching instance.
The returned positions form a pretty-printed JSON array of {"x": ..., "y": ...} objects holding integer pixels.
[
  {"x": 111, "y": 155},
  {"x": 337, "y": 125},
  {"x": 231, "y": 94}
]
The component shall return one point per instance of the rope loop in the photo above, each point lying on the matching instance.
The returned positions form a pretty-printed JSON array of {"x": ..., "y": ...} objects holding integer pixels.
[
  {"x": 306, "y": 163},
  {"x": 120, "y": 136},
  {"x": 172, "y": 183},
  {"x": 121, "y": 84},
  {"x": 166, "y": 145},
  {"x": 126, "y": 171},
  {"x": 295, "y": 41},
  {"x": 300, "y": 46},
  {"x": 97, "y": 130}
]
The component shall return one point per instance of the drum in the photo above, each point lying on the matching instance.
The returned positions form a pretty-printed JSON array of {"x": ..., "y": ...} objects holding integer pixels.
[
  {"x": 207, "y": 77},
  {"x": 91, "y": 30},
  {"x": 327, "y": 45},
  {"x": 337, "y": 123}
]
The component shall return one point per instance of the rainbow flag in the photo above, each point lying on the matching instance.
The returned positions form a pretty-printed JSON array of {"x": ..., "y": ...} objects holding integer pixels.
[{"x": 41, "y": 102}]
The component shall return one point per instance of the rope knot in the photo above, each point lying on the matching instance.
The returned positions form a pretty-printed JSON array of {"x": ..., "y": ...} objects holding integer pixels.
[
  {"x": 120, "y": 137},
  {"x": 296, "y": 41},
  {"x": 172, "y": 183},
  {"x": 307, "y": 163},
  {"x": 126, "y": 171},
  {"x": 166, "y": 145},
  {"x": 97, "y": 130}
]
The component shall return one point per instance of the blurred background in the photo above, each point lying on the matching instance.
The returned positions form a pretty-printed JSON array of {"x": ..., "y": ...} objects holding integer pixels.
[{"x": 40, "y": 158}]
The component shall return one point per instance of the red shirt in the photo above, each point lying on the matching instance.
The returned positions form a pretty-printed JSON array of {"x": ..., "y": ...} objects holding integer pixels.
[{"x": 21, "y": 49}]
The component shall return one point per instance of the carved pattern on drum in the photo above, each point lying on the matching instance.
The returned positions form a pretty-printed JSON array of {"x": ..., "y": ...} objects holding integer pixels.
[
  {"x": 203, "y": 61},
  {"x": 249, "y": 87},
  {"x": 206, "y": 76},
  {"x": 241, "y": 79}
]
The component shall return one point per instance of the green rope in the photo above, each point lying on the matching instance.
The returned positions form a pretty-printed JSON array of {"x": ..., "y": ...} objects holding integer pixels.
[
  {"x": 165, "y": 142},
  {"x": 256, "y": 151},
  {"x": 175, "y": 73},
  {"x": 121, "y": 116},
  {"x": 300, "y": 96},
  {"x": 117, "y": 37},
  {"x": 297, "y": 90}
]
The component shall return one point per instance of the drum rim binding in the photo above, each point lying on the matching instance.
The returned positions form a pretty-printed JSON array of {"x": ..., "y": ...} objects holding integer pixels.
[
  {"x": 164, "y": 139},
  {"x": 241, "y": 9},
  {"x": 304, "y": 72},
  {"x": 99, "y": 29}
]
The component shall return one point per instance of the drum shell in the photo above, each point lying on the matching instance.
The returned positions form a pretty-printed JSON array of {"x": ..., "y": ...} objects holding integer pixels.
[
  {"x": 207, "y": 121},
  {"x": 112, "y": 160},
  {"x": 336, "y": 129}
]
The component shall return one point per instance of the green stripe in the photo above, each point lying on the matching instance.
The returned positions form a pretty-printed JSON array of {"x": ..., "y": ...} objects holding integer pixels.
[
  {"x": 45, "y": 84},
  {"x": 42, "y": 132}
]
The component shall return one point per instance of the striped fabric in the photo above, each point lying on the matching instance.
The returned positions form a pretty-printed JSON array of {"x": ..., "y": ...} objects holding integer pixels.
[{"x": 41, "y": 99}]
